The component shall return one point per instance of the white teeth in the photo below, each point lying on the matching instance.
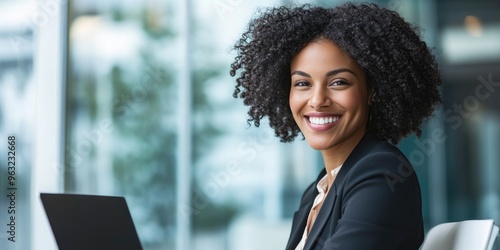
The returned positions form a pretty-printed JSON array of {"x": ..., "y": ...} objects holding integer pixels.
[{"x": 323, "y": 120}]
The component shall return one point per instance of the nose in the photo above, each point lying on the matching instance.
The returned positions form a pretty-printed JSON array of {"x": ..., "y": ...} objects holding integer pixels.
[{"x": 319, "y": 98}]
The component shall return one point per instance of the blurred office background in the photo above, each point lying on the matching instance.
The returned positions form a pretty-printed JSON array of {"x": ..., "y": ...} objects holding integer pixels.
[{"x": 133, "y": 98}]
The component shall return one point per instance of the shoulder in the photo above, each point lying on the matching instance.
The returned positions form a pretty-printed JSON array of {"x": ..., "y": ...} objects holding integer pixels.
[
  {"x": 383, "y": 156},
  {"x": 378, "y": 161}
]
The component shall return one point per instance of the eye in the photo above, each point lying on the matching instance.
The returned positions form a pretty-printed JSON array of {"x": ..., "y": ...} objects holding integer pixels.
[
  {"x": 339, "y": 82},
  {"x": 301, "y": 84}
]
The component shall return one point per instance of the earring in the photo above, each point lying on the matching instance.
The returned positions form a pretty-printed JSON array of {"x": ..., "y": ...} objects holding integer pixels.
[
  {"x": 372, "y": 98},
  {"x": 369, "y": 118},
  {"x": 369, "y": 123}
]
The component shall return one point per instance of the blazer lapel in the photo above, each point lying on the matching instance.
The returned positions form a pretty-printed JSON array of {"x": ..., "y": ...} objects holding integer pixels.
[
  {"x": 322, "y": 218},
  {"x": 299, "y": 223},
  {"x": 300, "y": 217}
]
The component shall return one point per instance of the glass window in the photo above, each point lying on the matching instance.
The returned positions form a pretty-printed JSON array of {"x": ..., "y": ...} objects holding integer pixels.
[{"x": 122, "y": 109}]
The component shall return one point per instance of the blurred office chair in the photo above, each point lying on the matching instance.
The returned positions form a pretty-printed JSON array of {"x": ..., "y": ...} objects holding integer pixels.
[{"x": 462, "y": 235}]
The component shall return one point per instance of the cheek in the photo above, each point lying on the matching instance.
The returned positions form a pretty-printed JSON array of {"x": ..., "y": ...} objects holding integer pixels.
[
  {"x": 293, "y": 102},
  {"x": 353, "y": 101},
  {"x": 296, "y": 104}
]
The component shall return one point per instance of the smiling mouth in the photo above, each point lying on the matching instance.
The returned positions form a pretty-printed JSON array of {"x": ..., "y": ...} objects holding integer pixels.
[{"x": 323, "y": 120}]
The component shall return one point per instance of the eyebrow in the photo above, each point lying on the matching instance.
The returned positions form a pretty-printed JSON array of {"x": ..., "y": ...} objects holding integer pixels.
[{"x": 330, "y": 73}]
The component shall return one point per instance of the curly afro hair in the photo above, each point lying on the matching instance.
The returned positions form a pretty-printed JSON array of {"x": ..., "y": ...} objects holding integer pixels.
[{"x": 402, "y": 74}]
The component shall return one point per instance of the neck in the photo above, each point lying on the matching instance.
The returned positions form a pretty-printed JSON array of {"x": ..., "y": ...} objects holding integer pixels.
[{"x": 337, "y": 155}]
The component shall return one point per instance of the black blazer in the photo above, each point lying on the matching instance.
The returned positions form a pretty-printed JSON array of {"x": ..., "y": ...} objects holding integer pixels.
[{"x": 374, "y": 203}]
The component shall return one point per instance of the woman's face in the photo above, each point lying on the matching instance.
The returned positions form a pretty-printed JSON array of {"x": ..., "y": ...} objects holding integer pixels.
[{"x": 328, "y": 96}]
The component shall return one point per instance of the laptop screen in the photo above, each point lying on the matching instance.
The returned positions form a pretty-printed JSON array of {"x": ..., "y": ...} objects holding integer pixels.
[{"x": 90, "y": 222}]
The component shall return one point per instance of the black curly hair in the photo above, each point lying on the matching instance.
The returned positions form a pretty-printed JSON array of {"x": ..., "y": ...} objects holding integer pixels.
[{"x": 402, "y": 74}]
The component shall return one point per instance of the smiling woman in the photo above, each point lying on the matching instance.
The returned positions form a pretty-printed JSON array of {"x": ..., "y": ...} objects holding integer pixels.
[{"x": 349, "y": 79}]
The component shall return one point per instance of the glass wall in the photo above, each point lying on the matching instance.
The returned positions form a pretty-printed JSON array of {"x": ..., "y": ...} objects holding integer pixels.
[
  {"x": 122, "y": 109},
  {"x": 469, "y": 39}
]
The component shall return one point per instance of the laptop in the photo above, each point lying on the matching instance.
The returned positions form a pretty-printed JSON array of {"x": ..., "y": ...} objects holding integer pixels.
[{"x": 90, "y": 222}]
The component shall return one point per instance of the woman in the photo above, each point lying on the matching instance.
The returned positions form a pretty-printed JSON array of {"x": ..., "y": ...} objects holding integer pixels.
[{"x": 349, "y": 79}]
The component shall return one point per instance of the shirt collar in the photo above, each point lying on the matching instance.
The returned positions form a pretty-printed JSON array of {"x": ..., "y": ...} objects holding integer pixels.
[{"x": 322, "y": 185}]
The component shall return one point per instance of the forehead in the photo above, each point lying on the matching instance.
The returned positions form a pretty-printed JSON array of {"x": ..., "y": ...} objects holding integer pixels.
[{"x": 323, "y": 53}]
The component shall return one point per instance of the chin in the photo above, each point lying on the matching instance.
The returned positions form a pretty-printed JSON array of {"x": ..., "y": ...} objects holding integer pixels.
[{"x": 319, "y": 145}]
